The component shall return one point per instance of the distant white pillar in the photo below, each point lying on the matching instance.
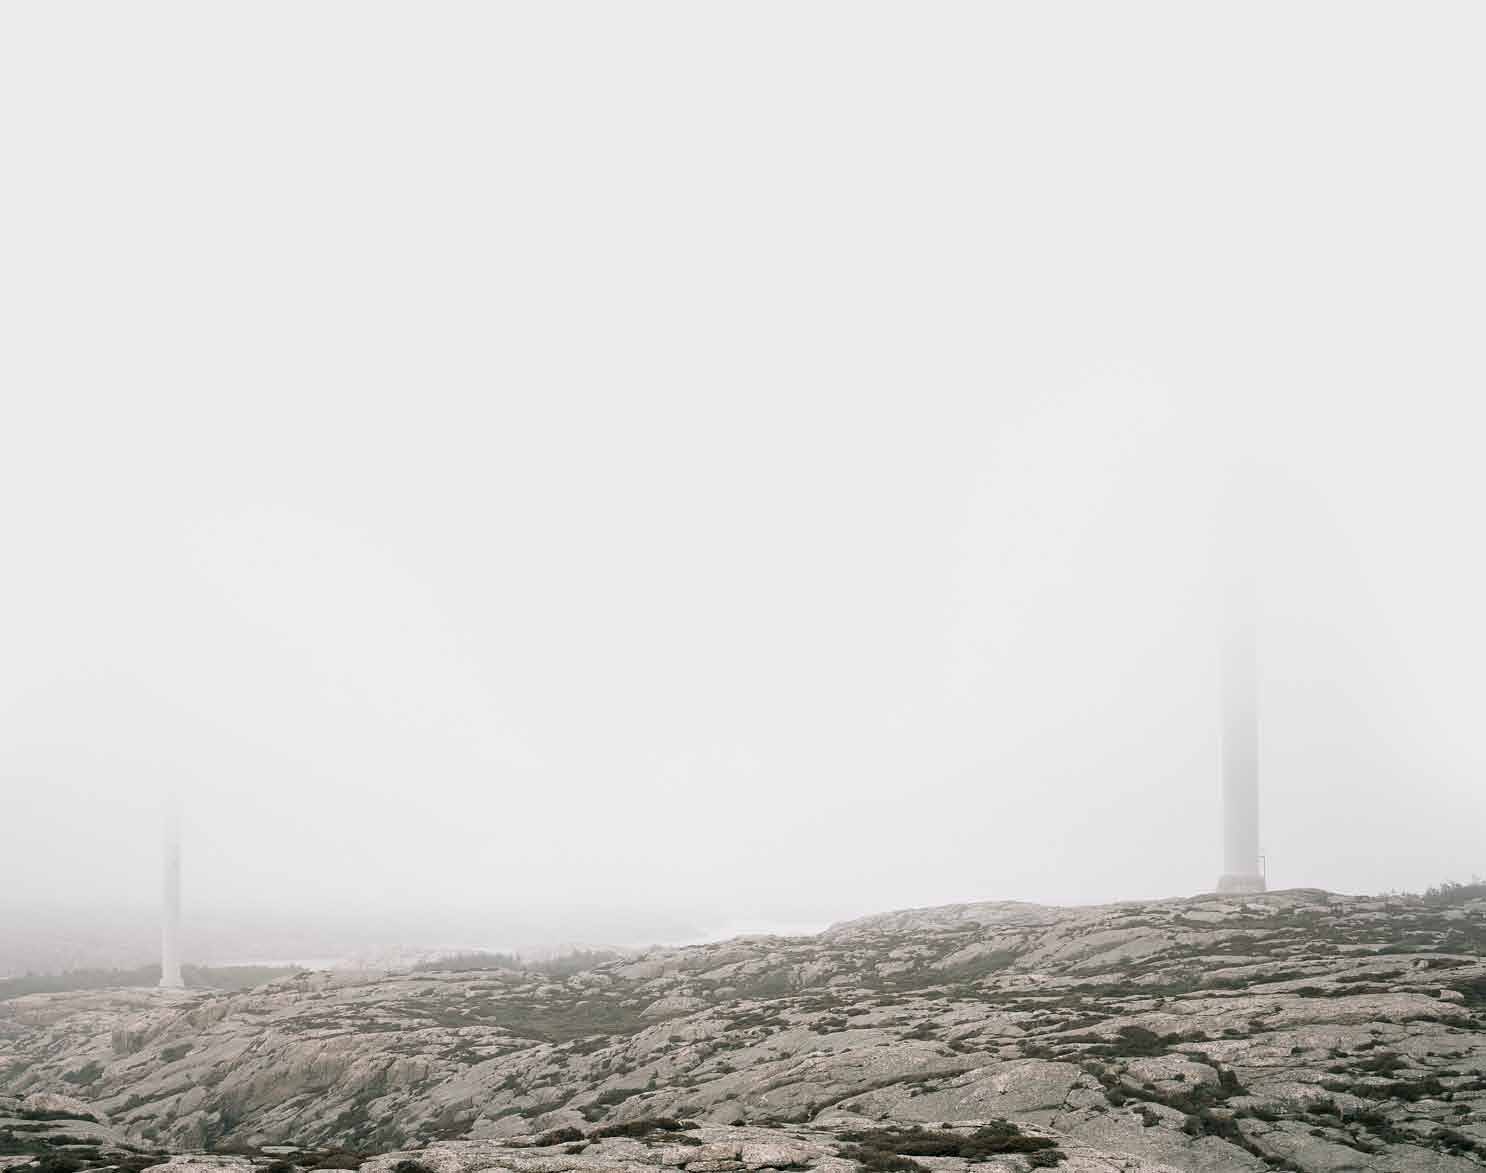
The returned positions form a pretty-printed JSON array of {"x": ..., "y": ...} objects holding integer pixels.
[
  {"x": 170, "y": 926},
  {"x": 1240, "y": 712}
]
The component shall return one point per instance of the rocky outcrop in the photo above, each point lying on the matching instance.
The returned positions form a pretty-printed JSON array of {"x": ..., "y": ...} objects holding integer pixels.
[
  {"x": 669, "y": 1148},
  {"x": 1292, "y": 1029}
]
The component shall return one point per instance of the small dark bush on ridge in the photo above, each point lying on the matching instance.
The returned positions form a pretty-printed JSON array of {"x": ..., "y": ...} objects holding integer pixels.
[
  {"x": 639, "y": 1128},
  {"x": 338, "y": 1160},
  {"x": 889, "y": 1149}
]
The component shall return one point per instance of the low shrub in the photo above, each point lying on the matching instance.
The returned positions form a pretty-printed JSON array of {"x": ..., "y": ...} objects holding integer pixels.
[
  {"x": 886, "y": 1148},
  {"x": 639, "y": 1128}
]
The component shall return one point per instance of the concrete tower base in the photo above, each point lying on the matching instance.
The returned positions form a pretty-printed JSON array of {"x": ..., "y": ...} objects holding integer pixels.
[
  {"x": 1241, "y": 885},
  {"x": 170, "y": 921}
]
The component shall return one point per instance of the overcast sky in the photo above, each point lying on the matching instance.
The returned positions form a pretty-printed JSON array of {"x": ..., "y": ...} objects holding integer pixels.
[{"x": 762, "y": 456}]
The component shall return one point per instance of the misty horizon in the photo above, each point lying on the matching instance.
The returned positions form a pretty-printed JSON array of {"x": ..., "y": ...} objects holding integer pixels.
[{"x": 591, "y": 485}]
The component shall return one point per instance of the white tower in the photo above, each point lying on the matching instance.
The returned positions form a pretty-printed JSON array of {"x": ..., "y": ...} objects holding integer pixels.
[
  {"x": 1240, "y": 706},
  {"x": 170, "y": 926}
]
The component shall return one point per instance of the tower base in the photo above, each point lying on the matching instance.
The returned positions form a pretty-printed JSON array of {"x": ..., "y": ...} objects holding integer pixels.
[{"x": 1238, "y": 884}]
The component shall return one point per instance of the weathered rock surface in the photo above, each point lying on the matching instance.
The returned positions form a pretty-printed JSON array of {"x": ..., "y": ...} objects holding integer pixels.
[
  {"x": 692, "y": 1149},
  {"x": 1289, "y": 1030}
]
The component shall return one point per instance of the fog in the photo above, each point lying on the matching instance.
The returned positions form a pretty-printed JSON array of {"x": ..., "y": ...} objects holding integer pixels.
[{"x": 655, "y": 470}]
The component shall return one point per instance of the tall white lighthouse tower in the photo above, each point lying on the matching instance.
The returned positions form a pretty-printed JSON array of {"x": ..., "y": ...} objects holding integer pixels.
[{"x": 170, "y": 924}]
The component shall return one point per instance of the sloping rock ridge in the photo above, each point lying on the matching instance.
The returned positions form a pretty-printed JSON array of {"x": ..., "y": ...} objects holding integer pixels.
[{"x": 1293, "y": 1030}]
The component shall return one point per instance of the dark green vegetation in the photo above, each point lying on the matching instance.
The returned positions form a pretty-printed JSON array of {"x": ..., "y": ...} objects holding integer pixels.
[
  {"x": 1203, "y": 1106},
  {"x": 61, "y": 1153},
  {"x": 55, "y": 1114},
  {"x": 558, "y": 1018},
  {"x": 226, "y": 977},
  {"x": 639, "y": 1129},
  {"x": 1450, "y": 893},
  {"x": 564, "y": 965},
  {"x": 891, "y": 1150},
  {"x": 338, "y": 1159}
]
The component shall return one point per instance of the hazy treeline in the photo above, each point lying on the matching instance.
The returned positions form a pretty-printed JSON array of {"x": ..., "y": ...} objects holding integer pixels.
[
  {"x": 224, "y": 977},
  {"x": 47, "y": 939},
  {"x": 563, "y": 965},
  {"x": 1451, "y": 892}
]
